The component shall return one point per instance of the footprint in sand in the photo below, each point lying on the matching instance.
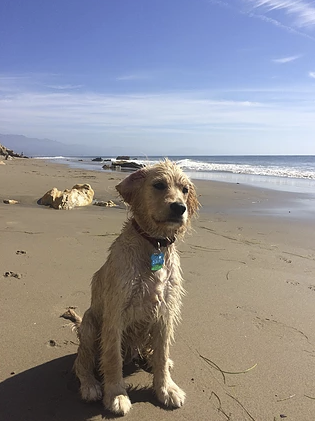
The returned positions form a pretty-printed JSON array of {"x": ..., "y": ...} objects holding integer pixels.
[
  {"x": 291, "y": 282},
  {"x": 285, "y": 259},
  {"x": 10, "y": 274}
]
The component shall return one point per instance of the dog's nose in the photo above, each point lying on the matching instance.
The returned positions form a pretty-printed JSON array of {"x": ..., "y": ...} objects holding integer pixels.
[{"x": 178, "y": 208}]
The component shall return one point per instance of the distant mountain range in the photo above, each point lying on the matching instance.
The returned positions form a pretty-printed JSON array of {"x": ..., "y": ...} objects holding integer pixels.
[
  {"x": 37, "y": 147},
  {"x": 46, "y": 147},
  {"x": 32, "y": 147}
]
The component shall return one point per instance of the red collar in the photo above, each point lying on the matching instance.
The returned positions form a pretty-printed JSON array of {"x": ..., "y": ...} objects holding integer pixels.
[{"x": 156, "y": 242}]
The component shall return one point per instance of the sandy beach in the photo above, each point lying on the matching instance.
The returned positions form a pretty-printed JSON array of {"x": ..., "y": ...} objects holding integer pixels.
[{"x": 245, "y": 349}]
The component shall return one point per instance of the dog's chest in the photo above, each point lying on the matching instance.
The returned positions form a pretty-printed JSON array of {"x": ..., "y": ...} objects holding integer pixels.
[
  {"x": 158, "y": 290},
  {"x": 149, "y": 297}
]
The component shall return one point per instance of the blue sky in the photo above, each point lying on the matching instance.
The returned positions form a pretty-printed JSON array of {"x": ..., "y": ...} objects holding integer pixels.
[{"x": 161, "y": 76}]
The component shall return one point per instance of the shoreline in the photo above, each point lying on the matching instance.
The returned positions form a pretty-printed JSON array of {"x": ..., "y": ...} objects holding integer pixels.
[
  {"x": 283, "y": 184},
  {"x": 249, "y": 307},
  {"x": 257, "y": 198},
  {"x": 279, "y": 183}
]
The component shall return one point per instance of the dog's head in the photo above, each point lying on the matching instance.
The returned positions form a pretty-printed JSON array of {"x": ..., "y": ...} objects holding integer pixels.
[{"x": 162, "y": 199}]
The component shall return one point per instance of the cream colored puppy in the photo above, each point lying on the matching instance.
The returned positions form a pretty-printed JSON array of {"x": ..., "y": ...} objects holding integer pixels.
[{"x": 136, "y": 294}]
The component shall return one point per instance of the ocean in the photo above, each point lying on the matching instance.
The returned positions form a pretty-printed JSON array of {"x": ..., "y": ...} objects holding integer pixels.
[{"x": 280, "y": 172}]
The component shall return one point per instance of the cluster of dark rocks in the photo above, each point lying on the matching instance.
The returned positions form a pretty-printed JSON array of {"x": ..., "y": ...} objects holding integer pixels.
[
  {"x": 122, "y": 161},
  {"x": 7, "y": 153}
]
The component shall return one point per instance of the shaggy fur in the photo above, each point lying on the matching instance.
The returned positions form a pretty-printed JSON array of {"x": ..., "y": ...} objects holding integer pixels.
[{"x": 133, "y": 309}]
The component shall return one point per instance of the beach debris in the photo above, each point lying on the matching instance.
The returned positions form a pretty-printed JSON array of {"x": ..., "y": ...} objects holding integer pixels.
[
  {"x": 79, "y": 195},
  {"x": 20, "y": 252},
  {"x": 2, "y": 163},
  {"x": 10, "y": 274},
  {"x": 223, "y": 372},
  {"x": 243, "y": 407},
  {"x": 66, "y": 342},
  {"x": 10, "y": 201},
  {"x": 287, "y": 398},
  {"x": 309, "y": 257},
  {"x": 109, "y": 203},
  {"x": 219, "y": 406},
  {"x": 71, "y": 315},
  {"x": 74, "y": 318}
]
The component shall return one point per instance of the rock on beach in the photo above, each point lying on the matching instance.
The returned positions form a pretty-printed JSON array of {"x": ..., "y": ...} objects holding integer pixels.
[{"x": 79, "y": 195}]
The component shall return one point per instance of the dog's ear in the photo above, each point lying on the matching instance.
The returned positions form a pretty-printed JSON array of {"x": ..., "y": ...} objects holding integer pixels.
[
  {"x": 192, "y": 201},
  {"x": 130, "y": 184}
]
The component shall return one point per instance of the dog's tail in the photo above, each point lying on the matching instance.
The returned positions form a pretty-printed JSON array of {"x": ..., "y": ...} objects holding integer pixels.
[{"x": 76, "y": 320}]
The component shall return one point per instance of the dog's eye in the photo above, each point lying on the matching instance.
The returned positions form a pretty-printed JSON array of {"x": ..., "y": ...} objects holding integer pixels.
[
  {"x": 159, "y": 186},
  {"x": 185, "y": 190}
]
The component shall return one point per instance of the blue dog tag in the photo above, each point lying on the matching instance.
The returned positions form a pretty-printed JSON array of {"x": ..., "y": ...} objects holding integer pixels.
[{"x": 157, "y": 261}]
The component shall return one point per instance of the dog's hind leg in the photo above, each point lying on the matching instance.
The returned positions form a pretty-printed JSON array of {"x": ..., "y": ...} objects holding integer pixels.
[{"x": 84, "y": 365}]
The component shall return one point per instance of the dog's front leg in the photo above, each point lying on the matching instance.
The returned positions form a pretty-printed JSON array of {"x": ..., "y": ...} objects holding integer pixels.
[
  {"x": 165, "y": 388},
  {"x": 115, "y": 395}
]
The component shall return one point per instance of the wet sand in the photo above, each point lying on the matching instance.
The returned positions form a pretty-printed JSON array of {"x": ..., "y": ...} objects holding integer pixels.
[{"x": 245, "y": 349}]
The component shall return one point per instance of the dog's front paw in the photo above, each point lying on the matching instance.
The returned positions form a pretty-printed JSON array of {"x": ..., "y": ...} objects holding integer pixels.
[
  {"x": 120, "y": 405},
  {"x": 117, "y": 401},
  {"x": 171, "y": 395},
  {"x": 91, "y": 392}
]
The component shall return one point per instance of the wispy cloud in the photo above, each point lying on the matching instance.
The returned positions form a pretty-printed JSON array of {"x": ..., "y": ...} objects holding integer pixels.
[
  {"x": 312, "y": 75},
  {"x": 34, "y": 81},
  {"x": 64, "y": 87},
  {"x": 302, "y": 13},
  {"x": 279, "y": 25},
  {"x": 284, "y": 60},
  {"x": 135, "y": 76},
  {"x": 80, "y": 114}
]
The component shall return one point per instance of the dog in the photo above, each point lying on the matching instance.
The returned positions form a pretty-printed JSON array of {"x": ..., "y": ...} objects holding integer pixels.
[{"x": 136, "y": 295}]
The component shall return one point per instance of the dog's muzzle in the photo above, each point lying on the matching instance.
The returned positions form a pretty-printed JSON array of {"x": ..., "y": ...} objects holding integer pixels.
[{"x": 177, "y": 210}]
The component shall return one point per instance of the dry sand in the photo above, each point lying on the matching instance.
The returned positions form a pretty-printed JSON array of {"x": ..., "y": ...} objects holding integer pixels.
[{"x": 249, "y": 267}]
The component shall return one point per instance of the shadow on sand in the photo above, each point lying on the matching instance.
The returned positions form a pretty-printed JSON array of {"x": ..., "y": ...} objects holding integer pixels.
[{"x": 50, "y": 392}]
